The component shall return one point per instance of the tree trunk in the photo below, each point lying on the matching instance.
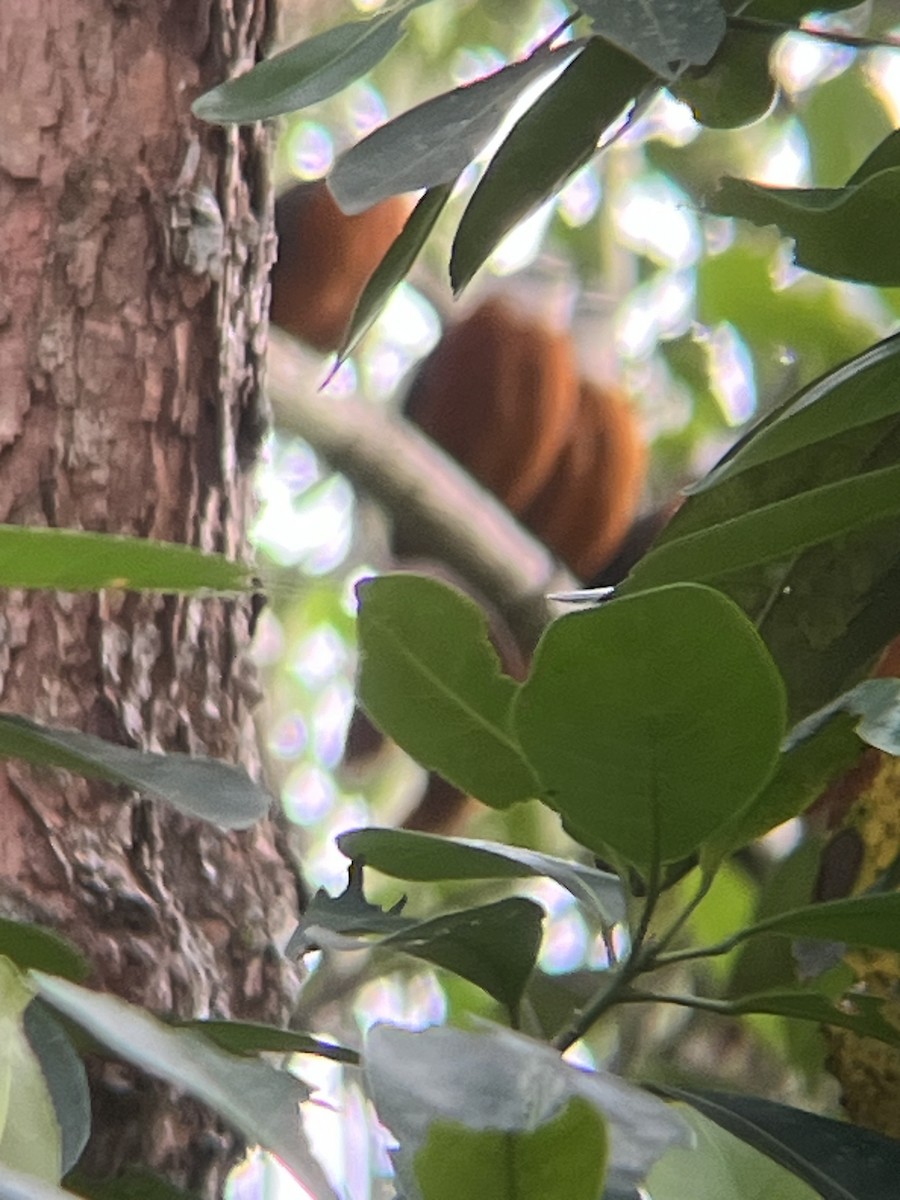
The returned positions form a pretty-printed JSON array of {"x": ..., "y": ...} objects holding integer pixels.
[{"x": 134, "y": 250}]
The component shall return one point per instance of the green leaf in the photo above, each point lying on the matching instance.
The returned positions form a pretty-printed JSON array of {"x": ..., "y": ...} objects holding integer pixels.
[
  {"x": 774, "y": 531},
  {"x": 876, "y": 704},
  {"x": 30, "y": 1137},
  {"x": 494, "y": 946},
  {"x": 662, "y": 35},
  {"x": 134, "y": 1183},
  {"x": 65, "y": 1078},
  {"x": 721, "y": 1167},
  {"x": 868, "y": 920},
  {"x": 563, "y": 1159},
  {"x": 737, "y": 87},
  {"x": 862, "y": 1015},
  {"x": 198, "y": 787},
  {"x": 846, "y": 232},
  {"x": 71, "y": 561},
  {"x": 804, "y": 771},
  {"x": 434, "y": 142},
  {"x": 395, "y": 265},
  {"x": 500, "y": 1081},
  {"x": 430, "y": 679},
  {"x": 425, "y": 857},
  {"x": 34, "y": 946},
  {"x": 635, "y": 718},
  {"x": 556, "y": 136},
  {"x": 313, "y": 70},
  {"x": 253, "y": 1037},
  {"x": 260, "y": 1102},
  {"x": 841, "y": 1161}
]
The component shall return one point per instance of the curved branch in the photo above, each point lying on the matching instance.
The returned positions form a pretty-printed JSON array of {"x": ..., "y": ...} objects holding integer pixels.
[{"x": 437, "y": 509}]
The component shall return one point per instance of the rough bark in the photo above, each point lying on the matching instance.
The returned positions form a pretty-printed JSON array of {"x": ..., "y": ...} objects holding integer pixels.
[{"x": 134, "y": 249}]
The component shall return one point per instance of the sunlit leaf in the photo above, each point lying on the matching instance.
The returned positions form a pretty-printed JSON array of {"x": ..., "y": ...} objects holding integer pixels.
[
  {"x": 199, "y": 787},
  {"x": 635, "y": 718},
  {"x": 304, "y": 74},
  {"x": 65, "y": 1078},
  {"x": 556, "y": 136},
  {"x": 17, "y": 1185},
  {"x": 434, "y": 142},
  {"x": 430, "y": 679},
  {"x": 662, "y": 34},
  {"x": 498, "y": 1080},
  {"x": 260, "y": 1102},
  {"x": 71, "y": 561},
  {"x": 562, "y": 1159},
  {"x": 405, "y": 854}
]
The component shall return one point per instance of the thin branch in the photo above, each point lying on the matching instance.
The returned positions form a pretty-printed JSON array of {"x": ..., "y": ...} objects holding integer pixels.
[
  {"x": 437, "y": 509},
  {"x": 852, "y": 40}
]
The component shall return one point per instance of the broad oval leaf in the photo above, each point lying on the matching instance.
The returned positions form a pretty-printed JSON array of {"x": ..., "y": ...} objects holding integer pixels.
[
  {"x": 434, "y": 142},
  {"x": 661, "y": 34},
  {"x": 313, "y": 70},
  {"x": 500, "y": 1080},
  {"x": 556, "y": 136},
  {"x": 563, "y": 1159},
  {"x": 405, "y": 854},
  {"x": 69, "y": 560},
  {"x": 651, "y": 720},
  {"x": 198, "y": 787},
  {"x": 260, "y": 1102},
  {"x": 841, "y": 1161},
  {"x": 430, "y": 679}
]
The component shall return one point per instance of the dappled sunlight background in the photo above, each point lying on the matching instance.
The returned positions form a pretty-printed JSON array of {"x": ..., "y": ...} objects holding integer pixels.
[{"x": 704, "y": 322}]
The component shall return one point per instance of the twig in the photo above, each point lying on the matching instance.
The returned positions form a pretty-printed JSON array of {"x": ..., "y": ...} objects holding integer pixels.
[{"x": 437, "y": 509}]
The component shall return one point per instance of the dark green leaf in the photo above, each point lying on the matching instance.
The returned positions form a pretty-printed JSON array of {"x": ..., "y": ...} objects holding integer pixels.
[
  {"x": 331, "y": 920},
  {"x": 133, "y": 1184},
  {"x": 775, "y": 531},
  {"x": 635, "y": 718},
  {"x": 737, "y": 87},
  {"x": 260, "y": 1102},
  {"x": 498, "y": 1080},
  {"x": 842, "y": 1161},
  {"x": 199, "y": 787},
  {"x": 430, "y": 679},
  {"x": 862, "y": 1015},
  {"x": 846, "y": 232},
  {"x": 563, "y": 1159},
  {"x": 557, "y": 135},
  {"x": 662, "y": 35},
  {"x": 306, "y": 73},
  {"x": 804, "y": 771},
  {"x": 65, "y": 1078},
  {"x": 34, "y": 946},
  {"x": 868, "y": 920},
  {"x": 71, "y": 561},
  {"x": 394, "y": 266},
  {"x": 434, "y": 142},
  {"x": 404, "y": 854},
  {"x": 252, "y": 1037}
]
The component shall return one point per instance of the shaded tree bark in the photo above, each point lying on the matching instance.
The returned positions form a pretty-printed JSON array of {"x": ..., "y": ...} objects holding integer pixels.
[{"x": 134, "y": 250}]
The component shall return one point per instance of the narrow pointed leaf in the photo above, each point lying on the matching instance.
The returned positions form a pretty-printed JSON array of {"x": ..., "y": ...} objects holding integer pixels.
[
  {"x": 30, "y": 945},
  {"x": 198, "y": 787},
  {"x": 556, "y": 136},
  {"x": 868, "y": 920},
  {"x": 260, "y": 1102},
  {"x": 430, "y": 679},
  {"x": 434, "y": 142},
  {"x": 311, "y": 71},
  {"x": 404, "y": 854},
  {"x": 395, "y": 266},
  {"x": 253, "y": 1037},
  {"x": 862, "y": 1015},
  {"x": 71, "y": 561},
  {"x": 635, "y": 720}
]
